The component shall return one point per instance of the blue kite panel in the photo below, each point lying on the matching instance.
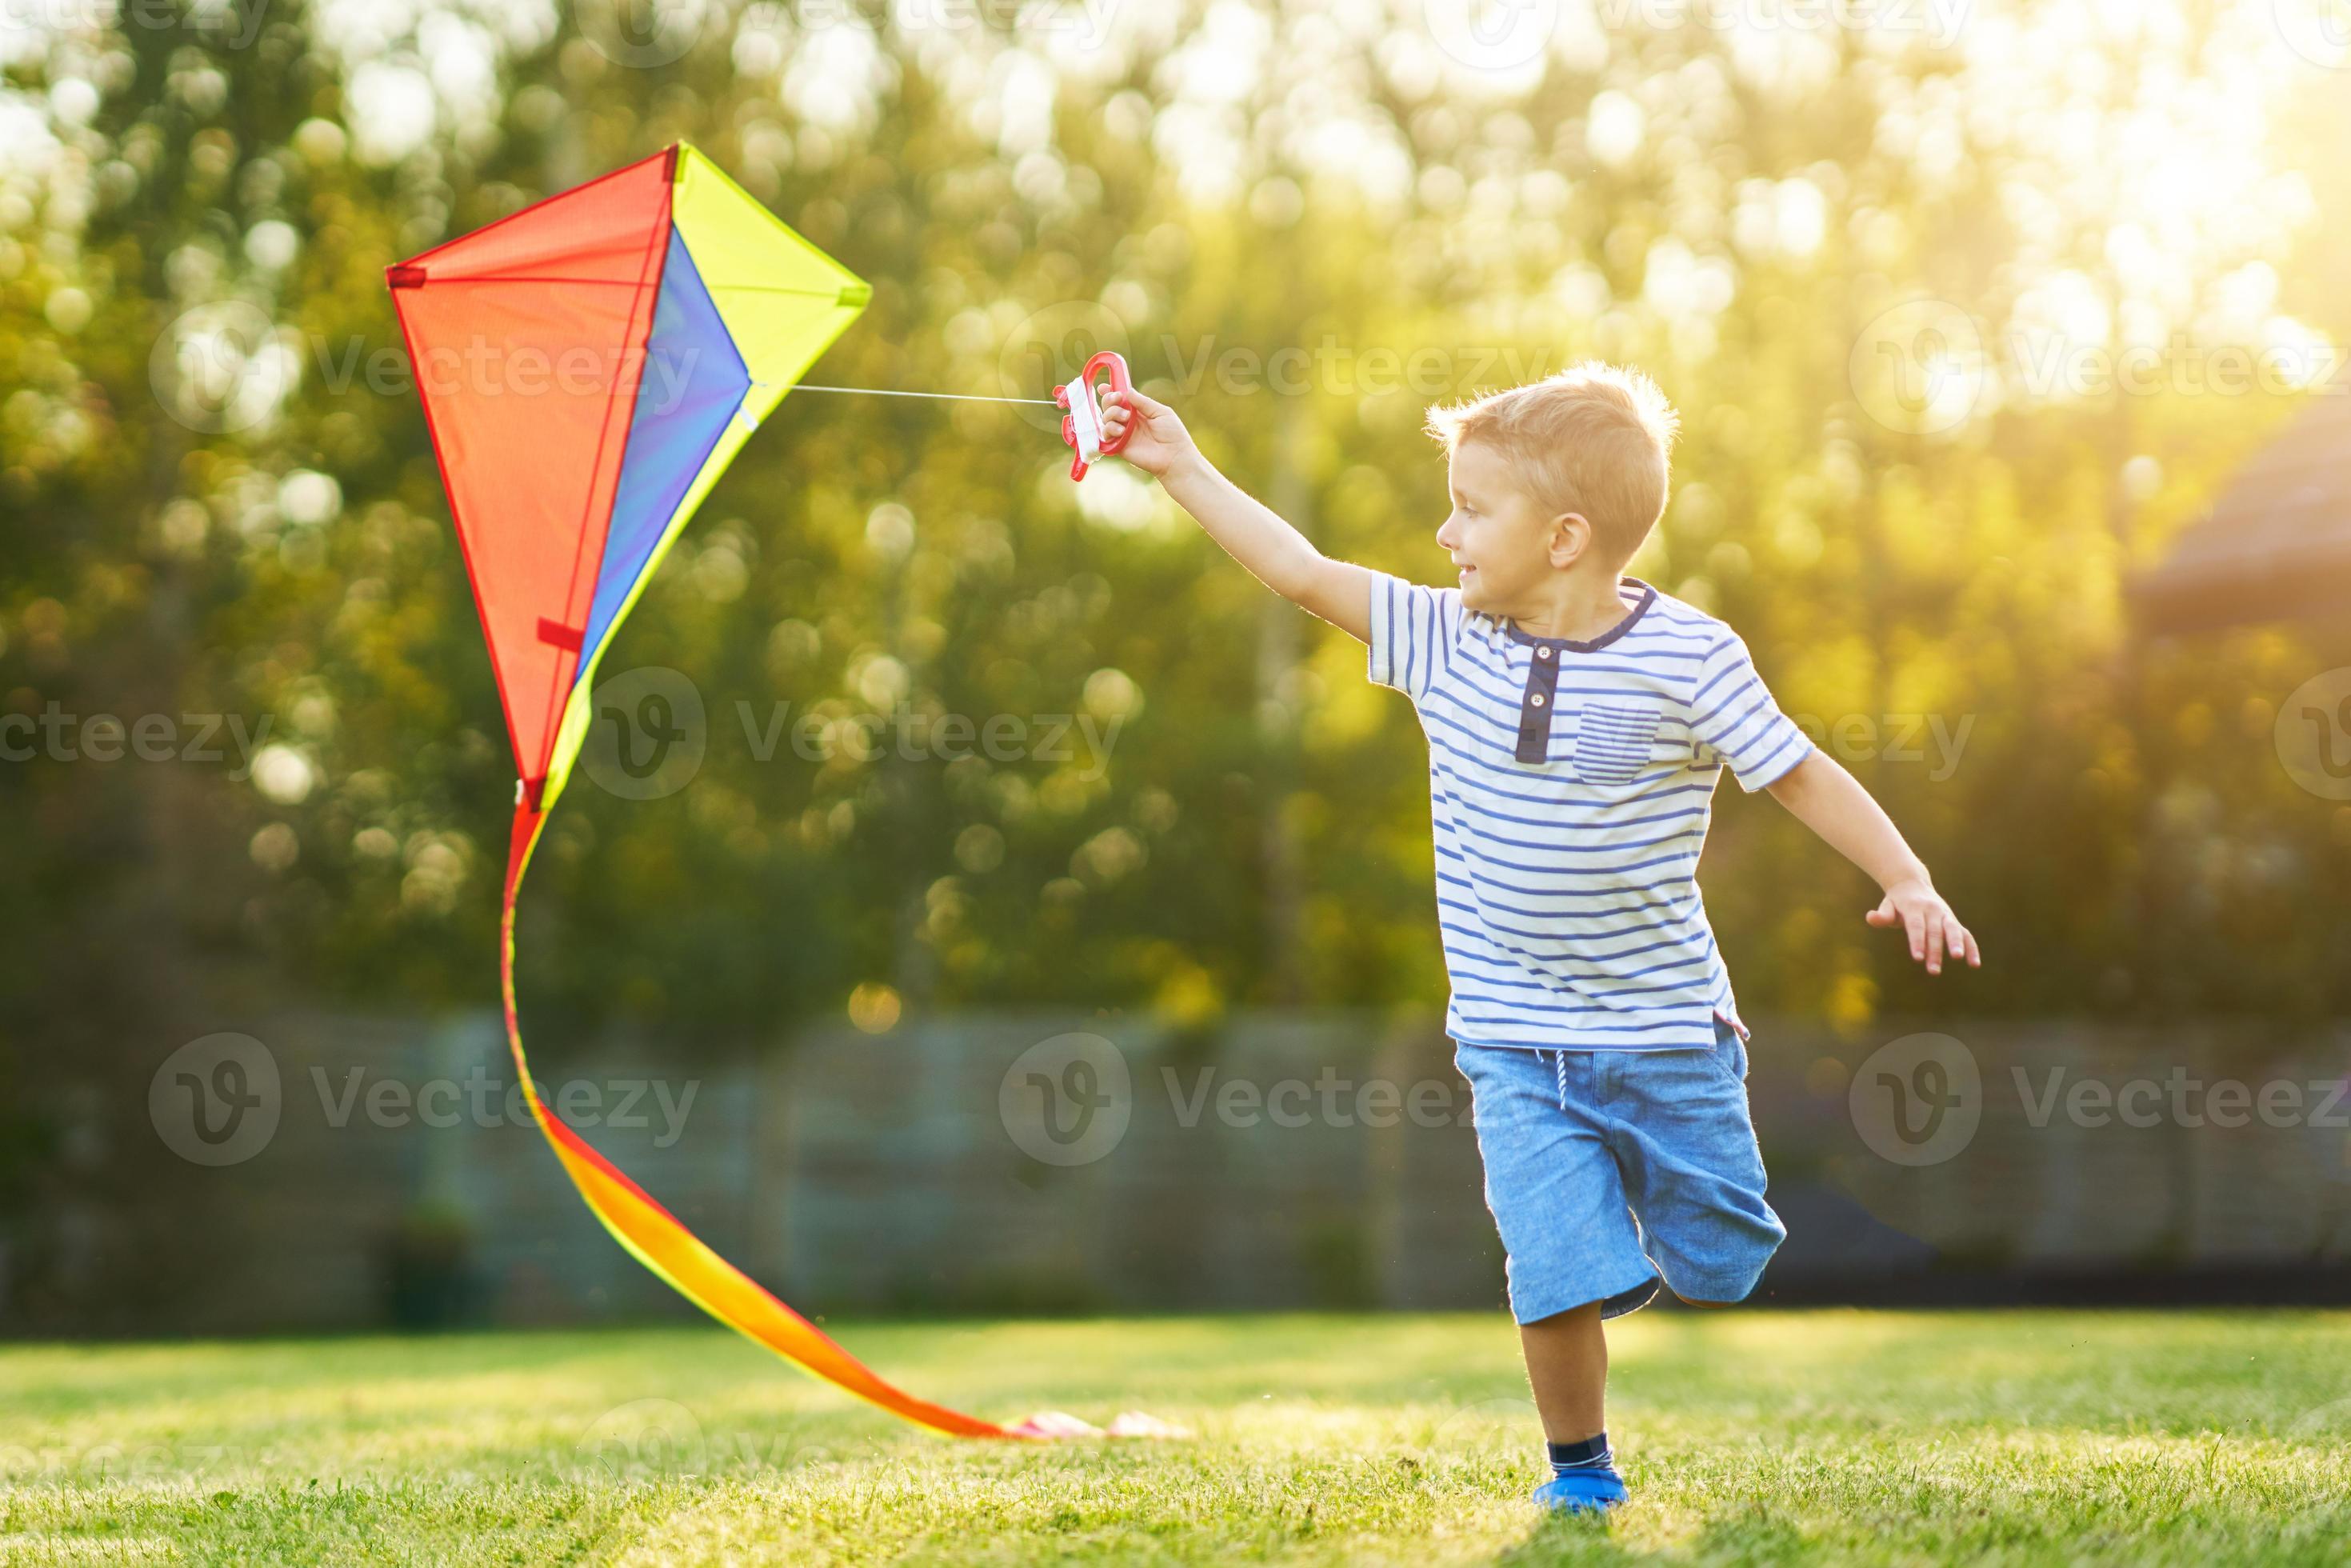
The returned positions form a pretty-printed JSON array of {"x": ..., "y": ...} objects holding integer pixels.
[{"x": 693, "y": 381}]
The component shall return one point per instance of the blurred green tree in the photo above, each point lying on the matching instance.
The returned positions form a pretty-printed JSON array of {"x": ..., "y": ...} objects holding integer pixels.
[{"x": 1879, "y": 275}]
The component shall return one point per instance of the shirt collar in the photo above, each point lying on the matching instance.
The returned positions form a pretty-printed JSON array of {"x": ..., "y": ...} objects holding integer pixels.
[{"x": 1569, "y": 644}]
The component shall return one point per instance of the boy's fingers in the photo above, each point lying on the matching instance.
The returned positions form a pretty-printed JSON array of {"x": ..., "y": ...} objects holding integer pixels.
[{"x": 1933, "y": 931}]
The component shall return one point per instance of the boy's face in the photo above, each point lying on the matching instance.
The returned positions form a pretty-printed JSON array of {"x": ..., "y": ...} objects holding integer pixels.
[{"x": 1505, "y": 545}]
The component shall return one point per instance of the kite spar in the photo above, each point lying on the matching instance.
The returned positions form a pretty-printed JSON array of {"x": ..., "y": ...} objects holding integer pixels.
[{"x": 589, "y": 367}]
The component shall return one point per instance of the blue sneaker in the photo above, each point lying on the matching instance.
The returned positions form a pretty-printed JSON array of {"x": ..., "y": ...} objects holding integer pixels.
[{"x": 1582, "y": 1492}]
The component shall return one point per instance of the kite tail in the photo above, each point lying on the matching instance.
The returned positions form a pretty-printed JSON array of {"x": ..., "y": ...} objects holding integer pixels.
[{"x": 656, "y": 1238}]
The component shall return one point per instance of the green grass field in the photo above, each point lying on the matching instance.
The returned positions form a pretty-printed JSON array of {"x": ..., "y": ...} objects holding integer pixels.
[{"x": 1754, "y": 1437}]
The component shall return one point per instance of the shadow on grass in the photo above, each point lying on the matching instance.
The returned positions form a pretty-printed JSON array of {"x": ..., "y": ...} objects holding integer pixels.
[{"x": 1584, "y": 1539}]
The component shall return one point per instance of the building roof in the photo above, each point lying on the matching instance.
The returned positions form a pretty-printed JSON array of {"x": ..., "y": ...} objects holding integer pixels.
[{"x": 2277, "y": 543}]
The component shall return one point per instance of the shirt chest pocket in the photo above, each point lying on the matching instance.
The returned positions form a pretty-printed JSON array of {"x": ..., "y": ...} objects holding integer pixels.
[{"x": 1614, "y": 740}]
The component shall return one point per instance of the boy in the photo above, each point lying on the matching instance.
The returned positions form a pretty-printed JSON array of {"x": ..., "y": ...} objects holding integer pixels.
[{"x": 1578, "y": 721}]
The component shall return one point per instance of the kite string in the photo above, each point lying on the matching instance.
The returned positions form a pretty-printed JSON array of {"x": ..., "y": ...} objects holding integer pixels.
[{"x": 944, "y": 397}]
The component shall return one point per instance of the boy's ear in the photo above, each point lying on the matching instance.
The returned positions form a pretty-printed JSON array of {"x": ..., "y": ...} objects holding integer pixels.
[{"x": 1570, "y": 539}]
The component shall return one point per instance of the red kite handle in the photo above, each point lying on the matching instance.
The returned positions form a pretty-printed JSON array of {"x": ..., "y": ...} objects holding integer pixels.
[{"x": 1082, "y": 427}]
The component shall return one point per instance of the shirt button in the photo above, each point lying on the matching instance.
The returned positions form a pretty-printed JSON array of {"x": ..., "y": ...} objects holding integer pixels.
[
  {"x": 1537, "y": 699},
  {"x": 1542, "y": 653}
]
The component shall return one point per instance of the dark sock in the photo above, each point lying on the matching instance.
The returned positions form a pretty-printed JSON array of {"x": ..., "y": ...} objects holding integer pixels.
[{"x": 1591, "y": 1454}]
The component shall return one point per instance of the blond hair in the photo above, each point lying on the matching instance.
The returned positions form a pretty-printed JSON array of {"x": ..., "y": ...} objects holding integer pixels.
[{"x": 1595, "y": 439}]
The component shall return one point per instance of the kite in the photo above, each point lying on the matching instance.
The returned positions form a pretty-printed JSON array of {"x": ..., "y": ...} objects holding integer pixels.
[{"x": 589, "y": 367}]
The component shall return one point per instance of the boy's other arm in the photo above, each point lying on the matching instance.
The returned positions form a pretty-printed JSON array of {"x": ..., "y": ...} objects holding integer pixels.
[
  {"x": 1276, "y": 554},
  {"x": 1832, "y": 802}
]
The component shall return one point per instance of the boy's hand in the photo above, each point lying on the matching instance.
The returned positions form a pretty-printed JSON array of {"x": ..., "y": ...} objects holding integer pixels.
[
  {"x": 1160, "y": 440},
  {"x": 1915, "y": 906},
  {"x": 1832, "y": 802}
]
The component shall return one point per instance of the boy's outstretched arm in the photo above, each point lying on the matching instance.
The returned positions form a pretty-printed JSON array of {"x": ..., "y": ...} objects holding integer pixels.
[
  {"x": 1832, "y": 802},
  {"x": 1279, "y": 555}
]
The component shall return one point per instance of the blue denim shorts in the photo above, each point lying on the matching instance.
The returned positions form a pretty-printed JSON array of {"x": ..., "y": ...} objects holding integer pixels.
[{"x": 1608, "y": 1171}]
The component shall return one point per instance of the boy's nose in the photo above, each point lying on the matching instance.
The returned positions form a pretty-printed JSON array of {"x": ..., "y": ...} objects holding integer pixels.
[{"x": 1446, "y": 537}]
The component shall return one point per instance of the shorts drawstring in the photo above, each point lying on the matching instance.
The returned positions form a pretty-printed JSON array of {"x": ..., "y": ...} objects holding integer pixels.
[{"x": 1559, "y": 1069}]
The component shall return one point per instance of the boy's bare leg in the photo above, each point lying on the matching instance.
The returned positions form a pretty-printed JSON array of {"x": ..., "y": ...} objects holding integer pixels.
[{"x": 1567, "y": 1363}]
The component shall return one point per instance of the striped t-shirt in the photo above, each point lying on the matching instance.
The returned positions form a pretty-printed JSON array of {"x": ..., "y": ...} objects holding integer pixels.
[{"x": 1570, "y": 788}]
